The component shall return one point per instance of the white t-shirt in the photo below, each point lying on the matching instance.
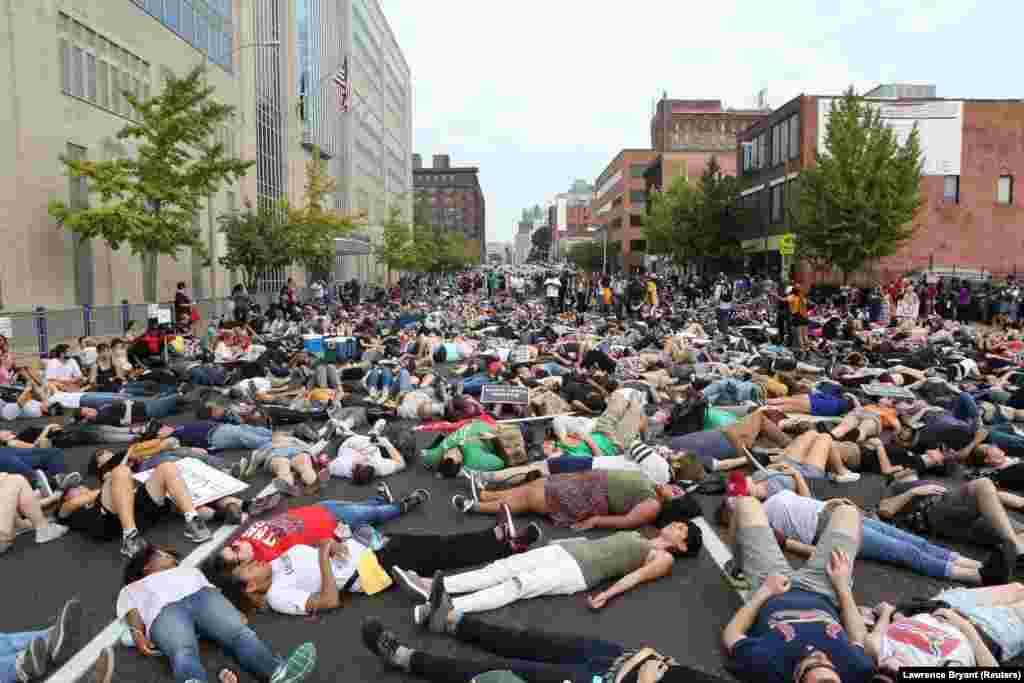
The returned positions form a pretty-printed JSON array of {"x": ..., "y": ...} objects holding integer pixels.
[
  {"x": 297, "y": 576},
  {"x": 553, "y": 287},
  {"x": 67, "y": 399},
  {"x": 66, "y": 370},
  {"x": 654, "y": 466},
  {"x": 563, "y": 425},
  {"x": 151, "y": 594},
  {"x": 925, "y": 641},
  {"x": 357, "y": 450},
  {"x": 793, "y": 515},
  {"x": 260, "y": 384}
]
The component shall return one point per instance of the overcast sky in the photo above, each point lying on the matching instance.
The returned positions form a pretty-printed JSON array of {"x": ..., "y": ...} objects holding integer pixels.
[{"x": 539, "y": 93}]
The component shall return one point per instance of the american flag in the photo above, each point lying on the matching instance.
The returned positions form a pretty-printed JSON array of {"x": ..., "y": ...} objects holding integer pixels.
[{"x": 341, "y": 80}]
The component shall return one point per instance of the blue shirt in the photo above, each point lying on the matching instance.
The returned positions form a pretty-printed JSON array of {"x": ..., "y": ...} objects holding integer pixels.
[
  {"x": 790, "y": 627},
  {"x": 195, "y": 434}
]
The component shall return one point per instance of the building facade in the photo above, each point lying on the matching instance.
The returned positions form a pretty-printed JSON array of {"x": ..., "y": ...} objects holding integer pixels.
[
  {"x": 454, "y": 200},
  {"x": 620, "y": 200},
  {"x": 973, "y": 153},
  {"x": 66, "y": 67},
  {"x": 569, "y": 216}
]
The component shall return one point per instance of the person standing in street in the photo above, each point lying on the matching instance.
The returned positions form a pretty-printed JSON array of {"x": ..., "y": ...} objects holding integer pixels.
[{"x": 552, "y": 287}]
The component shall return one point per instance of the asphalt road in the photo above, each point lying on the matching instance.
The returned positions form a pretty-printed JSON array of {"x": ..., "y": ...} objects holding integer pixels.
[{"x": 681, "y": 615}]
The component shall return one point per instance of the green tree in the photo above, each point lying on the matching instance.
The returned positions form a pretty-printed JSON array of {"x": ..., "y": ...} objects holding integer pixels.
[
  {"x": 857, "y": 204},
  {"x": 589, "y": 256},
  {"x": 257, "y": 242},
  {"x": 541, "y": 244},
  {"x": 149, "y": 201},
  {"x": 719, "y": 217},
  {"x": 316, "y": 225},
  {"x": 395, "y": 250}
]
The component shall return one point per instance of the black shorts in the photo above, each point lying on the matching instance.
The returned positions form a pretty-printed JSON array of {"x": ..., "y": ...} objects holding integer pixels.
[{"x": 104, "y": 525}]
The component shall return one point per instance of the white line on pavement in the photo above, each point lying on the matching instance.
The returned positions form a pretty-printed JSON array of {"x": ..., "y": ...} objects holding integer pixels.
[
  {"x": 82, "y": 661},
  {"x": 719, "y": 552}
]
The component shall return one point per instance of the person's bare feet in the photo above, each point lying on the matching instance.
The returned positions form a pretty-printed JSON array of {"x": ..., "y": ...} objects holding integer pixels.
[{"x": 227, "y": 676}]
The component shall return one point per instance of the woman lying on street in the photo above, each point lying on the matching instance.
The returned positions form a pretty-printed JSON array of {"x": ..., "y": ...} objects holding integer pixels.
[
  {"x": 169, "y": 607},
  {"x": 560, "y": 568},
  {"x": 21, "y": 508},
  {"x": 599, "y": 499},
  {"x": 307, "y": 579},
  {"x": 533, "y": 655}
]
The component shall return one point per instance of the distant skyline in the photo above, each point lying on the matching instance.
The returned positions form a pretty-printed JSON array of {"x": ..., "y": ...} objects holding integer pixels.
[{"x": 538, "y": 94}]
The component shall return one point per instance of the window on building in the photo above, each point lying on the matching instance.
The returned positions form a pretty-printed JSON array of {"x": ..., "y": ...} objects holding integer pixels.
[
  {"x": 638, "y": 196},
  {"x": 794, "y": 137},
  {"x": 951, "y": 189},
  {"x": 1004, "y": 191},
  {"x": 775, "y": 145},
  {"x": 637, "y": 245},
  {"x": 102, "y": 85},
  {"x": 636, "y": 220},
  {"x": 65, "y": 65},
  {"x": 188, "y": 20},
  {"x": 172, "y": 12},
  {"x": 76, "y": 71},
  {"x": 778, "y": 198},
  {"x": 754, "y": 153},
  {"x": 783, "y": 129},
  {"x": 90, "y": 77},
  {"x": 764, "y": 149}
]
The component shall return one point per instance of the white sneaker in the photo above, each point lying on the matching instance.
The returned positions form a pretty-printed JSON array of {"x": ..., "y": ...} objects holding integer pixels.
[
  {"x": 378, "y": 427},
  {"x": 847, "y": 478},
  {"x": 50, "y": 532}
]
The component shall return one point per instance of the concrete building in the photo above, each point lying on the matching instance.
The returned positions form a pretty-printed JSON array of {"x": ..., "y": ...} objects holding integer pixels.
[
  {"x": 523, "y": 243},
  {"x": 65, "y": 68},
  {"x": 453, "y": 198},
  {"x": 368, "y": 148},
  {"x": 620, "y": 199},
  {"x": 569, "y": 216},
  {"x": 973, "y": 151}
]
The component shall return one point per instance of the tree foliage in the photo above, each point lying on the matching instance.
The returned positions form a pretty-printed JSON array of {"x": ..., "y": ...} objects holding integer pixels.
[
  {"x": 149, "y": 201},
  {"x": 589, "y": 256},
  {"x": 256, "y": 242},
  {"x": 315, "y": 226},
  {"x": 540, "y": 242},
  {"x": 395, "y": 249},
  {"x": 691, "y": 222},
  {"x": 422, "y": 247},
  {"x": 857, "y": 203}
]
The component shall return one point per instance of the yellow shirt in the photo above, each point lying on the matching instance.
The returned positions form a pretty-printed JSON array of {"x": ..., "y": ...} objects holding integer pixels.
[{"x": 652, "y": 293}]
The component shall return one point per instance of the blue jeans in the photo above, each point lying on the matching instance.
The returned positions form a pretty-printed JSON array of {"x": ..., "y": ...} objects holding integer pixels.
[
  {"x": 156, "y": 408},
  {"x": 10, "y": 645},
  {"x": 730, "y": 392},
  {"x": 24, "y": 461},
  {"x": 383, "y": 379},
  {"x": 1002, "y": 435},
  {"x": 376, "y": 510},
  {"x": 229, "y": 437},
  {"x": 475, "y": 384},
  {"x": 966, "y": 409},
  {"x": 885, "y": 543},
  {"x": 568, "y": 463},
  {"x": 207, "y": 376},
  {"x": 209, "y": 615},
  {"x": 555, "y": 370}
]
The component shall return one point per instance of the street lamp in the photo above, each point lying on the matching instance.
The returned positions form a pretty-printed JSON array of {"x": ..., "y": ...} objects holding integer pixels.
[{"x": 604, "y": 248}]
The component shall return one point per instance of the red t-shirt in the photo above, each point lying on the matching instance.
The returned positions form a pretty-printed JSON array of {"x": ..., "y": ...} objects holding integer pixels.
[{"x": 271, "y": 538}]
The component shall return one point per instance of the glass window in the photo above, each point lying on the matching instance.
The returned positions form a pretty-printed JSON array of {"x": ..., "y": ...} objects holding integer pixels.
[
  {"x": 156, "y": 8},
  {"x": 77, "y": 57},
  {"x": 764, "y": 149},
  {"x": 775, "y": 145},
  {"x": 794, "y": 137},
  {"x": 65, "y": 66},
  {"x": 115, "y": 89},
  {"x": 188, "y": 20},
  {"x": 951, "y": 189},
  {"x": 783, "y": 141},
  {"x": 102, "y": 86},
  {"x": 90, "y": 77},
  {"x": 172, "y": 13},
  {"x": 1004, "y": 191},
  {"x": 202, "y": 30}
]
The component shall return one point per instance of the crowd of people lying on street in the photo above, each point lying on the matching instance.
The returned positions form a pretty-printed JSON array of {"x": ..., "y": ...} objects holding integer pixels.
[{"x": 628, "y": 422}]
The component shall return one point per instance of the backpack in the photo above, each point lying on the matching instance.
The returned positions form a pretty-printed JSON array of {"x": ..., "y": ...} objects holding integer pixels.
[{"x": 511, "y": 445}]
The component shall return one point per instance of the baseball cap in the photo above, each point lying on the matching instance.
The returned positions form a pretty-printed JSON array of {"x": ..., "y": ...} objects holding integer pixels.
[{"x": 738, "y": 485}]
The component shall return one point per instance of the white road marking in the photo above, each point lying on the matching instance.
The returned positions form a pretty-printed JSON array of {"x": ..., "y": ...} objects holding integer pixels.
[
  {"x": 718, "y": 551},
  {"x": 78, "y": 666}
]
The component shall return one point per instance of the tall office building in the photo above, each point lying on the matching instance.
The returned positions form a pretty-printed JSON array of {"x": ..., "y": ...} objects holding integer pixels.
[{"x": 64, "y": 71}]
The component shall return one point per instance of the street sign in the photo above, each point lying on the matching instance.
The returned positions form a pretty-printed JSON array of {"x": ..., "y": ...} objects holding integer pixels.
[
  {"x": 504, "y": 393},
  {"x": 787, "y": 245}
]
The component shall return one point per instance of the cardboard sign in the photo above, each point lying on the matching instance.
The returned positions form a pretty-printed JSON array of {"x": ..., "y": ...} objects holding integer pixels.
[
  {"x": 504, "y": 393},
  {"x": 205, "y": 484},
  {"x": 163, "y": 316},
  {"x": 6, "y": 327}
]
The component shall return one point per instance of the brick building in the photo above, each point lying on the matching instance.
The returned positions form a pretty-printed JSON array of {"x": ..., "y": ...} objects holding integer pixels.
[
  {"x": 971, "y": 217},
  {"x": 620, "y": 200},
  {"x": 569, "y": 217},
  {"x": 453, "y": 199}
]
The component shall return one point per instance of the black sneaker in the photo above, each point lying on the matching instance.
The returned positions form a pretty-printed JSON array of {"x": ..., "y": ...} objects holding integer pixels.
[
  {"x": 440, "y": 605},
  {"x": 380, "y": 641},
  {"x": 415, "y": 499},
  {"x": 64, "y": 638},
  {"x": 197, "y": 531},
  {"x": 522, "y": 541},
  {"x": 133, "y": 545},
  {"x": 996, "y": 571},
  {"x": 33, "y": 662}
]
